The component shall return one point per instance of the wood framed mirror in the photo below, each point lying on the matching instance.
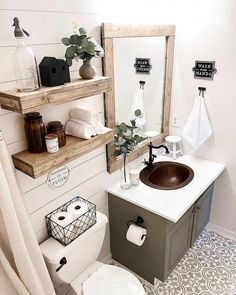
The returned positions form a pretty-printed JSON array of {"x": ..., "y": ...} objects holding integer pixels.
[{"x": 113, "y": 32}]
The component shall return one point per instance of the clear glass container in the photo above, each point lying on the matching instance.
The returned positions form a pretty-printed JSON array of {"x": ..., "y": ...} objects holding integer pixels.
[
  {"x": 124, "y": 173},
  {"x": 52, "y": 143},
  {"x": 25, "y": 67}
]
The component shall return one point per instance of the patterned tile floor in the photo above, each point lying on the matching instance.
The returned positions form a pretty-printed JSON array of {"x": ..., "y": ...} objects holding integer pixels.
[{"x": 209, "y": 267}]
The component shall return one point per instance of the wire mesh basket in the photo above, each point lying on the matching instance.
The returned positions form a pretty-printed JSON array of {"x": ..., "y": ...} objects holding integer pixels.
[{"x": 66, "y": 234}]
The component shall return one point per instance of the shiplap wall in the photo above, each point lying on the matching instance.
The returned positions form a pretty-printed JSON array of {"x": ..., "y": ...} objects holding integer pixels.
[
  {"x": 48, "y": 22},
  {"x": 87, "y": 174}
]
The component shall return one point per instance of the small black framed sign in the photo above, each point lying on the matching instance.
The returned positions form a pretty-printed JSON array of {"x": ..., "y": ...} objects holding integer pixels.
[
  {"x": 204, "y": 70},
  {"x": 142, "y": 65}
]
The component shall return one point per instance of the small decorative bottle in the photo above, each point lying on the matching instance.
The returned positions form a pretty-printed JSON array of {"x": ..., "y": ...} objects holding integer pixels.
[{"x": 26, "y": 71}]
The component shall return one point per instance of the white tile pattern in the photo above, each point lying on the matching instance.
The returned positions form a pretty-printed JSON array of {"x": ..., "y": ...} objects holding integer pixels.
[{"x": 209, "y": 267}]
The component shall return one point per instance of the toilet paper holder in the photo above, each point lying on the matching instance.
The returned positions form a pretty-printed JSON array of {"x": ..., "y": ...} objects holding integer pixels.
[{"x": 138, "y": 222}]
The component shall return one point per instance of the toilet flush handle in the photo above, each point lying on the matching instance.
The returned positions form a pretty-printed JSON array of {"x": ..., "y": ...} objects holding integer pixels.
[{"x": 62, "y": 262}]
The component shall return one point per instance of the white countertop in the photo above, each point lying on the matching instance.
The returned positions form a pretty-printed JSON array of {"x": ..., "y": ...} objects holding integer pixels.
[{"x": 172, "y": 204}]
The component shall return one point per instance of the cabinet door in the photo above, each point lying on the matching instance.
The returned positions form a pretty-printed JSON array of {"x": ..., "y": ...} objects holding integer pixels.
[
  {"x": 202, "y": 213},
  {"x": 178, "y": 241},
  {"x": 148, "y": 260}
]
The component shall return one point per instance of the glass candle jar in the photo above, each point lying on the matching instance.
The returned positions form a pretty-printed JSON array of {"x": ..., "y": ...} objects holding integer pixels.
[
  {"x": 52, "y": 143},
  {"x": 134, "y": 177},
  {"x": 56, "y": 127},
  {"x": 35, "y": 132}
]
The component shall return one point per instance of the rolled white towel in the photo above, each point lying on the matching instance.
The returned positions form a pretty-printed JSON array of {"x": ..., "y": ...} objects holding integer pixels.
[
  {"x": 84, "y": 131},
  {"x": 88, "y": 116},
  {"x": 78, "y": 121},
  {"x": 97, "y": 128}
]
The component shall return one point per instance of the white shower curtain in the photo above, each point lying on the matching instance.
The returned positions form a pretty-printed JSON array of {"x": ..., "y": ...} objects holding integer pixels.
[{"x": 20, "y": 255}]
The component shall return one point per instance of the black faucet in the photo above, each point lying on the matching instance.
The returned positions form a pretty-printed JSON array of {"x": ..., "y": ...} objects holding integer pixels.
[{"x": 151, "y": 156}]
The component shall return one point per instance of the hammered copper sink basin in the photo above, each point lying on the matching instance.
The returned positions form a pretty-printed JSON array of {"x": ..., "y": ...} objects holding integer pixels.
[{"x": 167, "y": 175}]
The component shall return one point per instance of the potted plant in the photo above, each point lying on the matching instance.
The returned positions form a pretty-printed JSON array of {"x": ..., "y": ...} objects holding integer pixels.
[
  {"x": 125, "y": 140},
  {"x": 81, "y": 46}
]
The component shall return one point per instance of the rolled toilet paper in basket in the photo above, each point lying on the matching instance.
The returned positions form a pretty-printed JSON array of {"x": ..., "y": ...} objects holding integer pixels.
[
  {"x": 77, "y": 209},
  {"x": 136, "y": 234},
  {"x": 62, "y": 219}
]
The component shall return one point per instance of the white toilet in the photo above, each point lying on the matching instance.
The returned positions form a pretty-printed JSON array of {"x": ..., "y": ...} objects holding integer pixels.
[{"x": 82, "y": 272}]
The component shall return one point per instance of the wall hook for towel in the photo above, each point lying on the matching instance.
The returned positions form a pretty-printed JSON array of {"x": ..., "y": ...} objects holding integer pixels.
[
  {"x": 141, "y": 84},
  {"x": 201, "y": 90}
]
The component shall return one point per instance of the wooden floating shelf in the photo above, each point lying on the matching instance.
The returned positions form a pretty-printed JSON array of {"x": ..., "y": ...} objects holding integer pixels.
[
  {"x": 23, "y": 102},
  {"x": 36, "y": 165}
]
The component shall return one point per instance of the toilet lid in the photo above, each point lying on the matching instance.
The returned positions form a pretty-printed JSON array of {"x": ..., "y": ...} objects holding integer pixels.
[{"x": 112, "y": 280}]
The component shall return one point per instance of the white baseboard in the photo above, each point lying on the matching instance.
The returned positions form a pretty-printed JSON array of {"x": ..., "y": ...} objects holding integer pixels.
[{"x": 221, "y": 231}]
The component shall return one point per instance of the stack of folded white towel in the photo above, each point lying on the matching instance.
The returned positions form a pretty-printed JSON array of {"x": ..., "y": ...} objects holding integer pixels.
[{"x": 83, "y": 123}]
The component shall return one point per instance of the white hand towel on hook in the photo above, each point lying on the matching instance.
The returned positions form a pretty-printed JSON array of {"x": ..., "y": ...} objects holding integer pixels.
[
  {"x": 138, "y": 104},
  {"x": 197, "y": 129}
]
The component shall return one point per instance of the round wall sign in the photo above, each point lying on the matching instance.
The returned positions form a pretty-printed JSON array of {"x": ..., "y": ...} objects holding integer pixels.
[{"x": 58, "y": 177}]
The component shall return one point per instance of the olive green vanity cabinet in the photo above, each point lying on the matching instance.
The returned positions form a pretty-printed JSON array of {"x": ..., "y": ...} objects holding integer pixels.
[
  {"x": 178, "y": 239},
  {"x": 201, "y": 213},
  {"x": 166, "y": 241}
]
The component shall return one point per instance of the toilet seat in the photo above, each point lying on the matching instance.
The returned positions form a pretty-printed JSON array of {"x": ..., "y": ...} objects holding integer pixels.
[{"x": 112, "y": 280}]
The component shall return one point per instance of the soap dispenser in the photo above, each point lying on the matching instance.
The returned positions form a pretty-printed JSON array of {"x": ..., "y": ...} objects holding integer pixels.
[{"x": 25, "y": 65}]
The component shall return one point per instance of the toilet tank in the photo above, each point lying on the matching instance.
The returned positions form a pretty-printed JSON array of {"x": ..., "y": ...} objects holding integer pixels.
[{"x": 80, "y": 253}]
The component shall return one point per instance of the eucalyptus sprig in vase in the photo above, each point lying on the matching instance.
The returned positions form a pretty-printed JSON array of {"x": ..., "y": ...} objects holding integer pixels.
[
  {"x": 125, "y": 140},
  {"x": 81, "y": 46}
]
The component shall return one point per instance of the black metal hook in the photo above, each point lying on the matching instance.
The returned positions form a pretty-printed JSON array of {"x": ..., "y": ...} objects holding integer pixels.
[
  {"x": 201, "y": 90},
  {"x": 137, "y": 222},
  {"x": 141, "y": 84}
]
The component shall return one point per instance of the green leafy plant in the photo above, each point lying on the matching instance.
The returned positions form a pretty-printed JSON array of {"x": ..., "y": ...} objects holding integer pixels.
[
  {"x": 81, "y": 46},
  {"x": 125, "y": 139}
]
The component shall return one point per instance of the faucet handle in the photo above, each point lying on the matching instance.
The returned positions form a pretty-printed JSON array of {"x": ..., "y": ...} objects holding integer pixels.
[{"x": 153, "y": 157}]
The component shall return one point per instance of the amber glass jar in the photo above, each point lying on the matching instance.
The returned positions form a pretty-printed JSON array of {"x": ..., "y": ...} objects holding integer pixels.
[
  {"x": 35, "y": 132},
  {"x": 56, "y": 127}
]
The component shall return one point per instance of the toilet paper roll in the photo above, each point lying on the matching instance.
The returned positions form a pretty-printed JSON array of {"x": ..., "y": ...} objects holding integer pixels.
[
  {"x": 77, "y": 209},
  {"x": 63, "y": 219},
  {"x": 136, "y": 234}
]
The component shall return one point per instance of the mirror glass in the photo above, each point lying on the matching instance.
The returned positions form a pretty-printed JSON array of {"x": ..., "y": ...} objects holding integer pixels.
[
  {"x": 123, "y": 45},
  {"x": 130, "y": 94}
]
